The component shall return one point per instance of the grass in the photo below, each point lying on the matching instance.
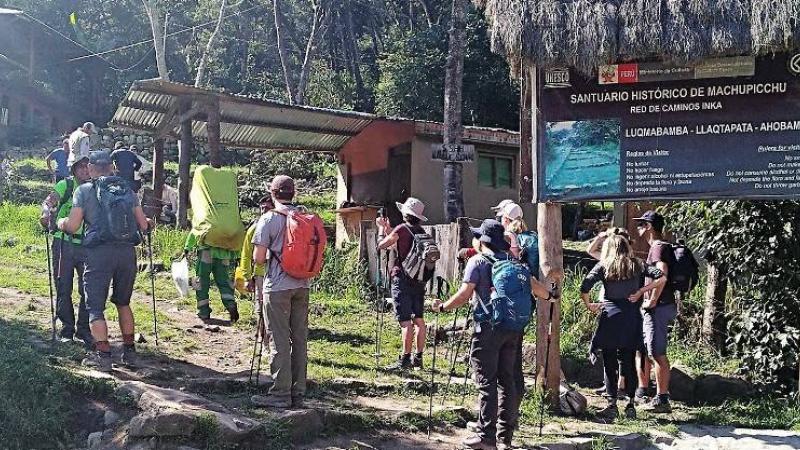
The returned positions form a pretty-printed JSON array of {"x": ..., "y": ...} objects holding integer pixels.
[
  {"x": 323, "y": 205},
  {"x": 760, "y": 413}
]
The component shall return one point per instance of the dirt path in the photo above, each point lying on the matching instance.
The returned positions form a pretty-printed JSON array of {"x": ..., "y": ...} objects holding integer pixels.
[{"x": 698, "y": 437}]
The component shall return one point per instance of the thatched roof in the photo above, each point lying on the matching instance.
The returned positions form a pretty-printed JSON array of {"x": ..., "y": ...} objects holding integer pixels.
[{"x": 585, "y": 33}]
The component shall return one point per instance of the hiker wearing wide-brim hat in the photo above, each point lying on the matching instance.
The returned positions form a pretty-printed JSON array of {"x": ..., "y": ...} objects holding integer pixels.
[
  {"x": 493, "y": 354},
  {"x": 408, "y": 293},
  {"x": 68, "y": 255}
]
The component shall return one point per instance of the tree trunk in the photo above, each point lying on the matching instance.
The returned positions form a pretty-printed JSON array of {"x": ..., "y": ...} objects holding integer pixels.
[
  {"x": 576, "y": 221},
  {"x": 283, "y": 51},
  {"x": 317, "y": 29},
  {"x": 363, "y": 102},
  {"x": 158, "y": 169},
  {"x": 525, "y": 130},
  {"x": 154, "y": 11},
  {"x": 714, "y": 321},
  {"x": 212, "y": 128},
  {"x": 454, "y": 77},
  {"x": 548, "y": 325},
  {"x": 201, "y": 67},
  {"x": 184, "y": 163}
]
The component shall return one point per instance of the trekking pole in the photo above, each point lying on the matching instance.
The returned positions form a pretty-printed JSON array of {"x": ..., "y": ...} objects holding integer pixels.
[
  {"x": 448, "y": 353},
  {"x": 546, "y": 359},
  {"x": 50, "y": 284},
  {"x": 378, "y": 299},
  {"x": 256, "y": 350},
  {"x": 454, "y": 357},
  {"x": 466, "y": 371},
  {"x": 441, "y": 294},
  {"x": 152, "y": 283}
]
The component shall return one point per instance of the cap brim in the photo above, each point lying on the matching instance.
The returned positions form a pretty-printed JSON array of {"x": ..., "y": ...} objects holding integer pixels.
[
  {"x": 642, "y": 219},
  {"x": 476, "y": 232}
]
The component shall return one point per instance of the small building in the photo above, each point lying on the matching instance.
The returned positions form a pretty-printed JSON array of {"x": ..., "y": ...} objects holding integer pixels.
[{"x": 381, "y": 160}]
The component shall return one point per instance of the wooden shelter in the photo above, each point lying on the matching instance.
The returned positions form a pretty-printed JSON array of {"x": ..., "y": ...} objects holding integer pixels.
[{"x": 583, "y": 34}]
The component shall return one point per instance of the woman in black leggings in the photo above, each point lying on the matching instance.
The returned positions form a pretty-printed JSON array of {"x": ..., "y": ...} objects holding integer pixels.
[{"x": 619, "y": 325}]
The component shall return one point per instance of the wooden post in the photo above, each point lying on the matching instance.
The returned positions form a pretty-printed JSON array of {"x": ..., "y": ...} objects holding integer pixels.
[
  {"x": 212, "y": 128},
  {"x": 525, "y": 132},
  {"x": 551, "y": 257},
  {"x": 185, "y": 150},
  {"x": 158, "y": 169}
]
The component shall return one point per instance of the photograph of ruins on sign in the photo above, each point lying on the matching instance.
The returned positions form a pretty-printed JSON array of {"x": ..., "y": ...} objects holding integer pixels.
[{"x": 582, "y": 158}]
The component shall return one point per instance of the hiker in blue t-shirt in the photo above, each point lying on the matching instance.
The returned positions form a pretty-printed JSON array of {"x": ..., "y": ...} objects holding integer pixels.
[{"x": 59, "y": 156}]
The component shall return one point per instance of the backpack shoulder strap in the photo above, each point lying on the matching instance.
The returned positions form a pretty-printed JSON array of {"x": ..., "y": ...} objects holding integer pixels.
[{"x": 67, "y": 193}]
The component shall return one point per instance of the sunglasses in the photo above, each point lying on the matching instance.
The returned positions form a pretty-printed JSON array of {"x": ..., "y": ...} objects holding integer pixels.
[{"x": 641, "y": 225}]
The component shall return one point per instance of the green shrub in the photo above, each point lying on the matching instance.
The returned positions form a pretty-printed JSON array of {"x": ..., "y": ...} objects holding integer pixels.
[{"x": 343, "y": 274}]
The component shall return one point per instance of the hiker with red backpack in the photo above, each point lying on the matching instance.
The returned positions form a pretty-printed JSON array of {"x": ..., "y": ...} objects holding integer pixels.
[
  {"x": 500, "y": 288},
  {"x": 291, "y": 242},
  {"x": 416, "y": 252},
  {"x": 660, "y": 308},
  {"x": 113, "y": 220},
  {"x": 68, "y": 254}
]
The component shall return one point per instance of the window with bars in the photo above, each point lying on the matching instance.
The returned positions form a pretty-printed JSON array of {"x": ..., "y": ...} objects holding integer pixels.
[{"x": 495, "y": 171}]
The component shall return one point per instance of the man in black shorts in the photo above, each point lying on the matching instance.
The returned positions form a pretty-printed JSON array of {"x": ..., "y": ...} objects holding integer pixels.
[{"x": 408, "y": 293}]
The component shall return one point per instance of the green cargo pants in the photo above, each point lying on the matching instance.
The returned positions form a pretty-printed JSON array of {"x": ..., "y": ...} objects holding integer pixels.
[{"x": 205, "y": 267}]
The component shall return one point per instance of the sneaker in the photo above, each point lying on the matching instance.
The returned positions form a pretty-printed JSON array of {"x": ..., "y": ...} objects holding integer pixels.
[
  {"x": 271, "y": 401},
  {"x": 641, "y": 395},
  {"x": 600, "y": 391},
  {"x": 416, "y": 361},
  {"x": 98, "y": 360},
  {"x": 129, "y": 357},
  {"x": 234, "y": 313},
  {"x": 476, "y": 442},
  {"x": 630, "y": 411},
  {"x": 403, "y": 363},
  {"x": 86, "y": 338},
  {"x": 660, "y": 406},
  {"x": 473, "y": 426}
]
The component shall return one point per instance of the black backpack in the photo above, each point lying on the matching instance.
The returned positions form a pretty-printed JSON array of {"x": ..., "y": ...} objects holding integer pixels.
[
  {"x": 115, "y": 222},
  {"x": 684, "y": 272}
]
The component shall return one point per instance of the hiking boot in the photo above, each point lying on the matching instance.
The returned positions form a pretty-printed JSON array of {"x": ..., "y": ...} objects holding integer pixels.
[
  {"x": 660, "y": 405},
  {"x": 630, "y": 411},
  {"x": 98, "y": 360},
  {"x": 403, "y": 363},
  {"x": 271, "y": 401},
  {"x": 476, "y": 442},
  {"x": 130, "y": 358},
  {"x": 297, "y": 402},
  {"x": 234, "y": 314},
  {"x": 641, "y": 395},
  {"x": 416, "y": 361},
  {"x": 472, "y": 426},
  {"x": 86, "y": 338},
  {"x": 609, "y": 412}
]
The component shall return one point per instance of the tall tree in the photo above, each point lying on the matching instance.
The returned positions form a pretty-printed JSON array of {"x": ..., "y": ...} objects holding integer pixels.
[
  {"x": 454, "y": 76},
  {"x": 158, "y": 22},
  {"x": 201, "y": 66}
]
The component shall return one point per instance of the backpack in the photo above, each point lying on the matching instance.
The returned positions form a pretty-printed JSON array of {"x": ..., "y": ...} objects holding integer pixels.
[
  {"x": 304, "y": 244},
  {"x": 420, "y": 262},
  {"x": 684, "y": 273},
  {"x": 528, "y": 242},
  {"x": 511, "y": 300},
  {"x": 62, "y": 201},
  {"x": 115, "y": 222},
  {"x": 571, "y": 402}
]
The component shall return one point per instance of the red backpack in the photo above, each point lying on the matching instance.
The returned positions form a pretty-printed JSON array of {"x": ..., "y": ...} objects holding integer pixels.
[{"x": 303, "y": 244}]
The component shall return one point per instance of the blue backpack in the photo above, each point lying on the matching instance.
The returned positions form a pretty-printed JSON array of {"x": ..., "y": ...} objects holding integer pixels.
[
  {"x": 528, "y": 242},
  {"x": 510, "y": 307},
  {"x": 115, "y": 222}
]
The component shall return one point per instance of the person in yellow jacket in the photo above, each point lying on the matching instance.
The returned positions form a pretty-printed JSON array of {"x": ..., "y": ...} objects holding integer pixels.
[{"x": 254, "y": 273}]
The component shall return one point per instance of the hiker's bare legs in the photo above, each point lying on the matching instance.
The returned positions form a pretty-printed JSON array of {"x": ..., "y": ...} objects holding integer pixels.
[
  {"x": 420, "y": 333},
  {"x": 126, "y": 324},
  {"x": 407, "y": 335},
  {"x": 99, "y": 330},
  {"x": 643, "y": 370},
  {"x": 662, "y": 374}
]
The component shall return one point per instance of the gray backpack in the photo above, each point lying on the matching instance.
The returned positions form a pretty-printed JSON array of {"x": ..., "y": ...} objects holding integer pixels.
[{"x": 420, "y": 262}]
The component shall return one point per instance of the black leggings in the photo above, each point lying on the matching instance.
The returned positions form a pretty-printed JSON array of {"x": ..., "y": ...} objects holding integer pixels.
[{"x": 616, "y": 362}]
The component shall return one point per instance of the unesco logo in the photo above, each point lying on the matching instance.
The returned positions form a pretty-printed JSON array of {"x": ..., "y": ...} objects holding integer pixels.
[
  {"x": 557, "y": 78},
  {"x": 794, "y": 64}
]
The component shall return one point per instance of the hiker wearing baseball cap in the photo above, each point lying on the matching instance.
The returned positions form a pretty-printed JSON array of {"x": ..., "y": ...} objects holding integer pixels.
[
  {"x": 285, "y": 295},
  {"x": 126, "y": 164},
  {"x": 659, "y": 310},
  {"x": 68, "y": 255},
  {"x": 495, "y": 343},
  {"x": 408, "y": 293},
  {"x": 110, "y": 254}
]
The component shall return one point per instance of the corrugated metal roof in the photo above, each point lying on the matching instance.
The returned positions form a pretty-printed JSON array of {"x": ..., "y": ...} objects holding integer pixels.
[{"x": 151, "y": 106}]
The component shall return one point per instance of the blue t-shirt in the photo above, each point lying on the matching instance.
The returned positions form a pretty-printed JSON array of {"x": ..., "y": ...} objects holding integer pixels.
[
  {"x": 60, "y": 157},
  {"x": 127, "y": 163}
]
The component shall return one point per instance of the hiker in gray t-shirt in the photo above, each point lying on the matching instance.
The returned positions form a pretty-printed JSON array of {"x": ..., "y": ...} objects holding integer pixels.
[
  {"x": 285, "y": 305},
  {"x": 106, "y": 262}
]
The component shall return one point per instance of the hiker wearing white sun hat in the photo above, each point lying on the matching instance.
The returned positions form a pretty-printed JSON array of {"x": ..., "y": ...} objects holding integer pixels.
[
  {"x": 509, "y": 213},
  {"x": 408, "y": 293},
  {"x": 502, "y": 204}
]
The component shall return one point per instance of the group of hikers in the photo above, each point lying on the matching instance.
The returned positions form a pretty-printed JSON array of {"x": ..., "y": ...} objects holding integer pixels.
[{"x": 96, "y": 221}]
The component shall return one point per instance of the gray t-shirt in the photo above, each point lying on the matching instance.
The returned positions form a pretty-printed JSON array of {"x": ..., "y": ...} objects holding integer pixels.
[
  {"x": 270, "y": 232},
  {"x": 85, "y": 197},
  {"x": 478, "y": 271}
]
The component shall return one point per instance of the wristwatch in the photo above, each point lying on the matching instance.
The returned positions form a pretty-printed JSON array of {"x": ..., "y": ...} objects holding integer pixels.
[{"x": 441, "y": 307}]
